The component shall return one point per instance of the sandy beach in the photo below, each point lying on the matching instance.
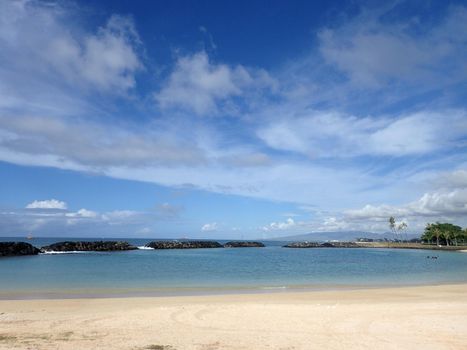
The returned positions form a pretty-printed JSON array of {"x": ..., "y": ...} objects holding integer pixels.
[{"x": 428, "y": 317}]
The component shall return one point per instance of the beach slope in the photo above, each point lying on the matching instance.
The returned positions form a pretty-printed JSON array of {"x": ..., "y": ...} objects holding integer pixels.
[{"x": 428, "y": 317}]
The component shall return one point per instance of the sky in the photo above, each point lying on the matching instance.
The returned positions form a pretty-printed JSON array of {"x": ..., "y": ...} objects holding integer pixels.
[{"x": 231, "y": 119}]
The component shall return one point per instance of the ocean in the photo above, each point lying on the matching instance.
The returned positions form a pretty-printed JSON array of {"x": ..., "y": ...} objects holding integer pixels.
[{"x": 210, "y": 271}]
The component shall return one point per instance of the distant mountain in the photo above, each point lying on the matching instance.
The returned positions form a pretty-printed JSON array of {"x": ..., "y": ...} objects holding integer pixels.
[{"x": 341, "y": 236}]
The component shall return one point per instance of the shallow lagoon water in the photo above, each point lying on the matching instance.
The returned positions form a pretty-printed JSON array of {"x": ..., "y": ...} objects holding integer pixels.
[{"x": 152, "y": 272}]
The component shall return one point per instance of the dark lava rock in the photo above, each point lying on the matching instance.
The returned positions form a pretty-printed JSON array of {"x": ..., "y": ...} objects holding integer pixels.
[
  {"x": 345, "y": 245},
  {"x": 80, "y": 246},
  {"x": 322, "y": 245},
  {"x": 183, "y": 244},
  {"x": 17, "y": 248},
  {"x": 303, "y": 245},
  {"x": 243, "y": 244}
]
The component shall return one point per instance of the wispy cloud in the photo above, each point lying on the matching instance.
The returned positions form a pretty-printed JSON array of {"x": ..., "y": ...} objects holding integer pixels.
[
  {"x": 333, "y": 134},
  {"x": 374, "y": 53},
  {"x": 51, "y": 217},
  {"x": 93, "y": 144}
]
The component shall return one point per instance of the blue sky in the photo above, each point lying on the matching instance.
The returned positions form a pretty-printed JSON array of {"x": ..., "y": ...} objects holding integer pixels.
[{"x": 242, "y": 120}]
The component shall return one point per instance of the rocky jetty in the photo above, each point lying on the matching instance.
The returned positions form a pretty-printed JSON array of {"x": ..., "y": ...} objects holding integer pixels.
[
  {"x": 344, "y": 245},
  {"x": 183, "y": 244},
  {"x": 243, "y": 244},
  {"x": 17, "y": 248},
  {"x": 81, "y": 246},
  {"x": 303, "y": 245},
  {"x": 322, "y": 245}
]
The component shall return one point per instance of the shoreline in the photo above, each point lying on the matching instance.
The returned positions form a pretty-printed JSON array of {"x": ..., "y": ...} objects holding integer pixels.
[
  {"x": 149, "y": 293},
  {"x": 428, "y": 317},
  {"x": 26, "y": 248}
]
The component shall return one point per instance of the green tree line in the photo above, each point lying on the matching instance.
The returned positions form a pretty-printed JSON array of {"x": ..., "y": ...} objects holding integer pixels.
[{"x": 444, "y": 234}]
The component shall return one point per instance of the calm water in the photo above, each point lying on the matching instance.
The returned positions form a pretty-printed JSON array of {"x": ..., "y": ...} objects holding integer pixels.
[{"x": 214, "y": 270}]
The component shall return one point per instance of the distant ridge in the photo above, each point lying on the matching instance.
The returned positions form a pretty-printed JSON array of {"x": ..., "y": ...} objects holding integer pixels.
[{"x": 340, "y": 236}]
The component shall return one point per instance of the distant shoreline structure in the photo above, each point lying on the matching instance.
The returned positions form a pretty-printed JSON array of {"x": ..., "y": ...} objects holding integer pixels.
[
  {"x": 379, "y": 245},
  {"x": 23, "y": 248}
]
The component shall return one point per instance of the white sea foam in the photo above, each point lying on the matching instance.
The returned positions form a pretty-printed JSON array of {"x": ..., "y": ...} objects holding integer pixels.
[
  {"x": 145, "y": 248},
  {"x": 278, "y": 287}
]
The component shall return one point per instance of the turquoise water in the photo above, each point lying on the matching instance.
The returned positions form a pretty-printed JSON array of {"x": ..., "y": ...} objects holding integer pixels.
[{"x": 152, "y": 272}]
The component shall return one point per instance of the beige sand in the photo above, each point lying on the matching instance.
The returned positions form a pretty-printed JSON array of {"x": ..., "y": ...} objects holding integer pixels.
[{"x": 432, "y": 317}]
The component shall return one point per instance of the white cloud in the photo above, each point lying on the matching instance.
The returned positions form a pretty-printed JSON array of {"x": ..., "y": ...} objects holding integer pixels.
[
  {"x": 434, "y": 205},
  {"x": 374, "y": 52},
  {"x": 441, "y": 205},
  {"x": 280, "y": 226},
  {"x": 295, "y": 181},
  {"x": 241, "y": 159},
  {"x": 39, "y": 219},
  {"x": 332, "y": 134},
  {"x": 82, "y": 213},
  {"x": 445, "y": 204},
  {"x": 451, "y": 179},
  {"x": 92, "y": 144},
  {"x": 209, "y": 227},
  {"x": 74, "y": 218},
  {"x": 198, "y": 85},
  {"x": 120, "y": 214},
  {"x": 47, "y": 204},
  {"x": 169, "y": 156},
  {"x": 32, "y": 31}
]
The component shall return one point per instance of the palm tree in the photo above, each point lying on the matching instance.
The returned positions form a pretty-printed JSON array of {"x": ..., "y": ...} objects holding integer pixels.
[
  {"x": 455, "y": 235},
  {"x": 402, "y": 228},
  {"x": 447, "y": 235},
  {"x": 437, "y": 233},
  {"x": 392, "y": 226}
]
